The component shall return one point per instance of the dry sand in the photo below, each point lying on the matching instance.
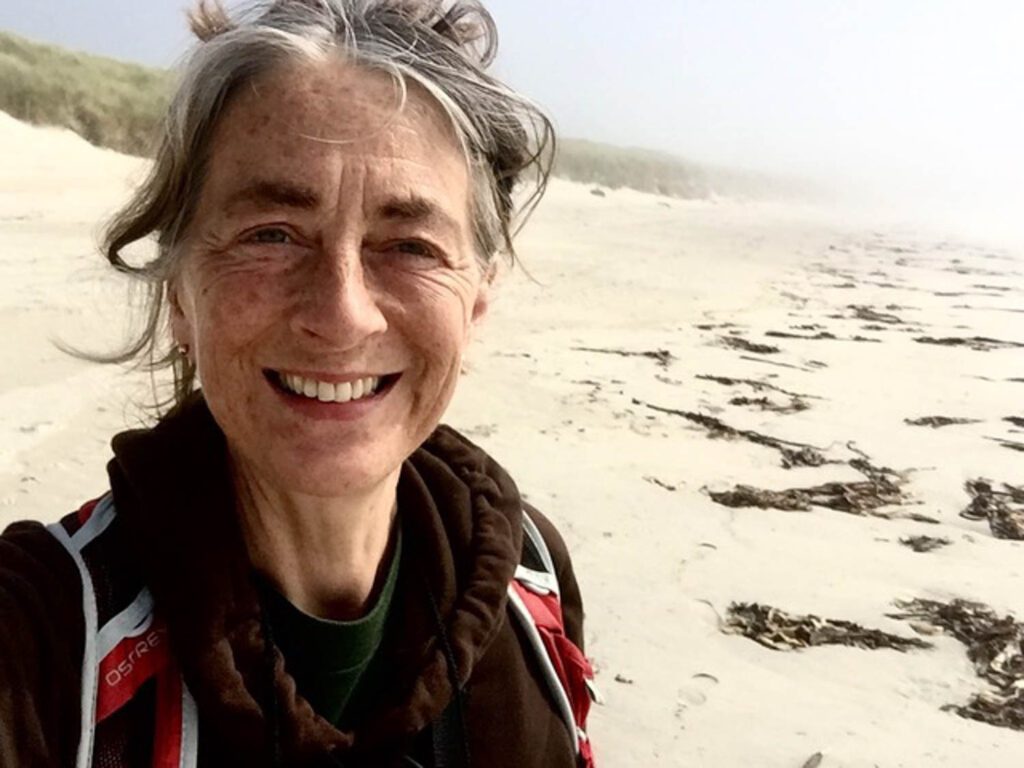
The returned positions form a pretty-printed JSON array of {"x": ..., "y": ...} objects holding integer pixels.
[{"x": 660, "y": 562}]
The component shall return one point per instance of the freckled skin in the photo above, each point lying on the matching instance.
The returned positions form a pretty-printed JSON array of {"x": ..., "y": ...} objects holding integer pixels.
[{"x": 338, "y": 289}]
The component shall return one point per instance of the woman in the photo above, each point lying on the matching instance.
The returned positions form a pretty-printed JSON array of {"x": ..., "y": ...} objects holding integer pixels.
[{"x": 297, "y": 566}]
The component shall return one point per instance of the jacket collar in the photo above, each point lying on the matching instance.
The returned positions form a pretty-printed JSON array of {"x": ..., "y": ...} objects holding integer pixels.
[{"x": 462, "y": 535}]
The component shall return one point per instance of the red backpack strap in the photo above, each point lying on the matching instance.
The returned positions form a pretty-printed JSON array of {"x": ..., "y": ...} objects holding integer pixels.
[
  {"x": 124, "y": 651},
  {"x": 534, "y": 599}
]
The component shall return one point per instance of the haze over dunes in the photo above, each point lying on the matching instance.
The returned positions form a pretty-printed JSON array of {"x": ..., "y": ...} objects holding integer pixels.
[{"x": 118, "y": 105}]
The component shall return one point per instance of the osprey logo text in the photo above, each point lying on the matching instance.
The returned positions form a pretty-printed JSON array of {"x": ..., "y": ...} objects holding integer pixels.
[
  {"x": 125, "y": 666},
  {"x": 128, "y": 666}
]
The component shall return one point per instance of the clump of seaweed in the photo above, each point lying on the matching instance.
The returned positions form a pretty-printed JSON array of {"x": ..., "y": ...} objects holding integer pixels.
[
  {"x": 871, "y": 315},
  {"x": 936, "y": 422},
  {"x": 978, "y": 343},
  {"x": 820, "y": 336},
  {"x": 858, "y": 498},
  {"x": 1004, "y": 509},
  {"x": 882, "y": 488},
  {"x": 780, "y": 631},
  {"x": 995, "y": 645},
  {"x": 755, "y": 384},
  {"x": 795, "y": 405},
  {"x": 745, "y": 345},
  {"x": 662, "y": 357},
  {"x": 1013, "y": 445},
  {"x": 793, "y": 454},
  {"x": 924, "y": 543}
]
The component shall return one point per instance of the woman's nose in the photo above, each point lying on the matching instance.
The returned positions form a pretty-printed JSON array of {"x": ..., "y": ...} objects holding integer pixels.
[{"x": 337, "y": 304}]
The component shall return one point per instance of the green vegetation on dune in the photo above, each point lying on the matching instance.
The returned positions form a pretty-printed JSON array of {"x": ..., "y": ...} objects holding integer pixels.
[
  {"x": 110, "y": 103},
  {"x": 641, "y": 169}
]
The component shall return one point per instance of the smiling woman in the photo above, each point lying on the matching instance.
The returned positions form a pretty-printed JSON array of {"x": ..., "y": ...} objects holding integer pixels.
[{"x": 297, "y": 561}]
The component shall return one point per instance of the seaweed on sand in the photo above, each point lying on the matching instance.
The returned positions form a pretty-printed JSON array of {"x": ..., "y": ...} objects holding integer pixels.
[
  {"x": 756, "y": 385},
  {"x": 795, "y": 405},
  {"x": 924, "y": 543},
  {"x": 819, "y": 336},
  {"x": 793, "y": 454},
  {"x": 935, "y": 422},
  {"x": 863, "y": 497},
  {"x": 1013, "y": 445},
  {"x": 882, "y": 487},
  {"x": 871, "y": 315},
  {"x": 978, "y": 343},
  {"x": 781, "y": 631},
  {"x": 995, "y": 645},
  {"x": 745, "y": 345},
  {"x": 661, "y": 356},
  {"x": 1004, "y": 509}
]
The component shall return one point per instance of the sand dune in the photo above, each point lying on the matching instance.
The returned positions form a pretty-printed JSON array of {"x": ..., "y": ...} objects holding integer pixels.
[{"x": 670, "y": 354}]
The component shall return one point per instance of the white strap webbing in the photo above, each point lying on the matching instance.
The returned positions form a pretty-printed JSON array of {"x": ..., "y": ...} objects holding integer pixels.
[
  {"x": 90, "y": 661},
  {"x": 547, "y": 668},
  {"x": 189, "y": 730},
  {"x": 532, "y": 532},
  {"x": 133, "y": 621},
  {"x": 542, "y": 582},
  {"x": 100, "y": 519}
]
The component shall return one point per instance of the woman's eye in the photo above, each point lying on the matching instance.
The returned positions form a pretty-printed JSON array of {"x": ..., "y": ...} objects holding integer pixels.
[
  {"x": 413, "y": 248},
  {"x": 270, "y": 236}
]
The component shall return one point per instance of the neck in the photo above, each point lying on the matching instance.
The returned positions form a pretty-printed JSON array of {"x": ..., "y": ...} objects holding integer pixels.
[{"x": 327, "y": 556}]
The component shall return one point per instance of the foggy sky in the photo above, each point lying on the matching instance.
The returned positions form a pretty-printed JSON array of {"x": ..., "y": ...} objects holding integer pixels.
[{"x": 915, "y": 100}]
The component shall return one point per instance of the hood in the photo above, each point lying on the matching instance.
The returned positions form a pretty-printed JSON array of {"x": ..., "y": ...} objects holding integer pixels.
[{"x": 461, "y": 518}]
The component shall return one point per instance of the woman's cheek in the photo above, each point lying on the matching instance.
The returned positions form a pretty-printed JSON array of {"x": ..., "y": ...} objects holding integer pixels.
[{"x": 242, "y": 279}]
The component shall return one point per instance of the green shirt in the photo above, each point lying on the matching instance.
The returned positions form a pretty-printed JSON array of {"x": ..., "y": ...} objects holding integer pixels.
[{"x": 329, "y": 659}]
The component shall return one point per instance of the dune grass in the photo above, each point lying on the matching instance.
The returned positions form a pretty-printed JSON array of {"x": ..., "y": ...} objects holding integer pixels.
[
  {"x": 119, "y": 105},
  {"x": 110, "y": 103},
  {"x": 617, "y": 167}
]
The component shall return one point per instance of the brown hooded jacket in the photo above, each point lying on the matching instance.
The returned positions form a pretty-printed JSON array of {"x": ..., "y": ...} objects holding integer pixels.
[{"x": 178, "y": 534}]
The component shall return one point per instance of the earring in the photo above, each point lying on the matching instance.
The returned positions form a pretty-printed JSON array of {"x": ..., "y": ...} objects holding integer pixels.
[{"x": 183, "y": 350}]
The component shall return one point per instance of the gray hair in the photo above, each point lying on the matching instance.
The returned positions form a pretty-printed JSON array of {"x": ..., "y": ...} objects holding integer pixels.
[{"x": 443, "y": 47}]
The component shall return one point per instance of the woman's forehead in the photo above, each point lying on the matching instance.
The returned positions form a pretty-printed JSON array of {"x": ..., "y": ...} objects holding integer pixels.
[
  {"x": 313, "y": 121},
  {"x": 313, "y": 111}
]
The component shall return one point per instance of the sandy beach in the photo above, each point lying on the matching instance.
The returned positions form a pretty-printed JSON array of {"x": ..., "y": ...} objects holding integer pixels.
[{"x": 669, "y": 366}]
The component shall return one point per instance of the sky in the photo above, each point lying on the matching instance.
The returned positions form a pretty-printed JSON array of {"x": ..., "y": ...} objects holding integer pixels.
[{"x": 920, "y": 101}]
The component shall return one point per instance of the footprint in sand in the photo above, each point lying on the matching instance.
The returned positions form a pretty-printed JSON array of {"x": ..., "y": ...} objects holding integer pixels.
[{"x": 695, "y": 692}]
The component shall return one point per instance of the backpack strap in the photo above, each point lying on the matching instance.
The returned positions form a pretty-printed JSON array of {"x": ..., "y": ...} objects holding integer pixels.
[
  {"x": 534, "y": 598},
  {"x": 124, "y": 651},
  {"x": 92, "y": 525}
]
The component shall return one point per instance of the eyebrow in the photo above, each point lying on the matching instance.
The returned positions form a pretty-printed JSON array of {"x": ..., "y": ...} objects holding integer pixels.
[
  {"x": 266, "y": 194},
  {"x": 416, "y": 209},
  {"x": 273, "y": 194}
]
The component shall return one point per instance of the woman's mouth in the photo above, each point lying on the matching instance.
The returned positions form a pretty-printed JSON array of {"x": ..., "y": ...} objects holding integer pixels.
[{"x": 331, "y": 392}]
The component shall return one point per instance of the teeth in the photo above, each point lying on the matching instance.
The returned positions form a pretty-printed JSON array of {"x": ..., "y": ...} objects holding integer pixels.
[{"x": 330, "y": 393}]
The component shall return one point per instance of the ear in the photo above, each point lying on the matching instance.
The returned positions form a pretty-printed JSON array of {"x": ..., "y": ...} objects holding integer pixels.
[
  {"x": 181, "y": 326},
  {"x": 483, "y": 296}
]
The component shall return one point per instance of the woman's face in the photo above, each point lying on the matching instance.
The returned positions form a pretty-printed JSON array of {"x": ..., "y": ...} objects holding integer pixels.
[{"x": 332, "y": 249}]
